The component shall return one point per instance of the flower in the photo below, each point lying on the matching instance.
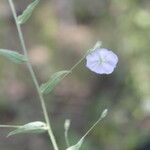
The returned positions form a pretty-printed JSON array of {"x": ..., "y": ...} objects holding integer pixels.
[{"x": 101, "y": 61}]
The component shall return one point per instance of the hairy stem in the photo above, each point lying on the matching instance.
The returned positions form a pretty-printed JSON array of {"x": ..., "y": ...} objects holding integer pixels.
[{"x": 50, "y": 132}]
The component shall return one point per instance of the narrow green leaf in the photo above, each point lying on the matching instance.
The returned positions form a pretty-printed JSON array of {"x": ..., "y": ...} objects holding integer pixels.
[
  {"x": 32, "y": 127},
  {"x": 53, "y": 81},
  {"x": 80, "y": 142},
  {"x": 14, "y": 56},
  {"x": 27, "y": 12}
]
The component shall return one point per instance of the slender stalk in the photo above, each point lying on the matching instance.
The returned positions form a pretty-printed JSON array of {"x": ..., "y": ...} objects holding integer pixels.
[
  {"x": 50, "y": 132},
  {"x": 103, "y": 115},
  {"x": 66, "y": 138},
  {"x": 9, "y": 126},
  {"x": 75, "y": 65},
  {"x": 92, "y": 127},
  {"x": 66, "y": 128}
]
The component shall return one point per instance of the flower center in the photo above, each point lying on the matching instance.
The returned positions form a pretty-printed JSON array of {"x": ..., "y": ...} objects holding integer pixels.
[{"x": 101, "y": 59}]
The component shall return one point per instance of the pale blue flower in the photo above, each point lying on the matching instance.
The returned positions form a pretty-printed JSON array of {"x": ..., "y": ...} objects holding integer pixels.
[{"x": 101, "y": 61}]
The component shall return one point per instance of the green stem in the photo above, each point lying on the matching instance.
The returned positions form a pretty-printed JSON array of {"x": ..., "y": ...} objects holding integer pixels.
[
  {"x": 9, "y": 126},
  {"x": 74, "y": 66},
  {"x": 66, "y": 138},
  {"x": 78, "y": 62},
  {"x": 103, "y": 115},
  {"x": 50, "y": 132},
  {"x": 92, "y": 127}
]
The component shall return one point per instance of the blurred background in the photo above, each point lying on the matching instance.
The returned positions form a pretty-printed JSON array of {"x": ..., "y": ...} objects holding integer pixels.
[{"x": 57, "y": 35}]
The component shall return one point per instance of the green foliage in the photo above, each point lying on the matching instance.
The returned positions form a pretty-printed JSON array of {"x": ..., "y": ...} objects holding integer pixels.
[
  {"x": 27, "y": 12},
  {"x": 53, "y": 81},
  {"x": 14, "y": 56},
  {"x": 32, "y": 127},
  {"x": 123, "y": 26}
]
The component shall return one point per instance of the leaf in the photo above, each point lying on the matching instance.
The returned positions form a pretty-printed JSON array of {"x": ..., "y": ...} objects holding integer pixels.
[
  {"x": 79, "y": 143},
  {"x": 14, "y": 56},
  {"x": 53, "y": 81},
  {"x": 32, "y": 127},
  {"x": 27, "y": 13}
]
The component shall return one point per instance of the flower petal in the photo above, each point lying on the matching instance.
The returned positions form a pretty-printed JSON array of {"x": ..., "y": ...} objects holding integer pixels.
[
  {"x": 112, "y": 58},
  {"x": 108, "y": 69},
  {"x": 106, "y": 66},
  {"x": 94, "y": 55}
]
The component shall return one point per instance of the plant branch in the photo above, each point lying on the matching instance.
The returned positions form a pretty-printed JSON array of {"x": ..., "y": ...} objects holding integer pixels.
[{"x": 50, "y": 132}]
